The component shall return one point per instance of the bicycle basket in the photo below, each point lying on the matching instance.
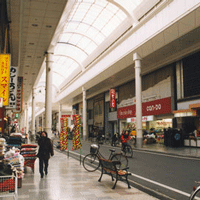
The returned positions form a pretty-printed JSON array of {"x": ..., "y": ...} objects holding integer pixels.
[{"x": 94, "y": 148}]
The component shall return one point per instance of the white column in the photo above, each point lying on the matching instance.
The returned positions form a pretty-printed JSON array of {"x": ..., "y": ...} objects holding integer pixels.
[
  {"x": 59, "y": 116},
  {"x": 27, "y": 118},
  {"x": 138, "y": 89},
  {"x": 84, "y": 114},
  {"x": 33, "y": 112},
  {"x": 48, "y": 95},
  {"x": 42, "y": 121},
  {"x": 37, "y": 124}
]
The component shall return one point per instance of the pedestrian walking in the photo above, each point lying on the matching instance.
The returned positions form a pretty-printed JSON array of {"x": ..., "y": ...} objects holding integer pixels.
[{"x": 44, "y": 153}]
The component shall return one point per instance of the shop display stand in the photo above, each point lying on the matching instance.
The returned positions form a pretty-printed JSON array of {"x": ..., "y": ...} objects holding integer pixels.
[{"x": 28, "y": 151}]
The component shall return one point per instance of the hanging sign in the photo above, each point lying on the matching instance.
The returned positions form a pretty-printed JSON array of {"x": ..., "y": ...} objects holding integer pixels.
[
  {"x": 4, "y": 77},
  {"x": 13, "y": 88},
  {"x": 19, "y": 94},
  {"x": 112, "y": 98}
]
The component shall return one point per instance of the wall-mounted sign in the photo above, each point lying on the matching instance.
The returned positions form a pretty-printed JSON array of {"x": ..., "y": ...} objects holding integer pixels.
[
  {"x": 157, "y": 107},
  {"x": 112, "y": 98},
  {"x": 13, "y": 88},
  {"x": 4, "y": 77},
  {"x": 19, "y": 94}
]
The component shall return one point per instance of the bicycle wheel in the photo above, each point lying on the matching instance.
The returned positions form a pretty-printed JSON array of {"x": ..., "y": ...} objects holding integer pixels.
[
  {"x": 195, "y": 194},
  {"x": 128, "y": 151},
  {"x": 123, "y": 159},
  {"x": 91, "y": 162}
]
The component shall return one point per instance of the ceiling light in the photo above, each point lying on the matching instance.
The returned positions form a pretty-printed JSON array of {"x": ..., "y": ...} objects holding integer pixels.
[
  {"x": 48, "y": 26},
  {"x": 29, "y": 56},
  {"x": 31, "y": 43},
  {"x": 33, "y": 73},
  {"x": 38, "y": 56},
  {"x": 35, "y": 25},
  {"x": 27, "y": 66}
]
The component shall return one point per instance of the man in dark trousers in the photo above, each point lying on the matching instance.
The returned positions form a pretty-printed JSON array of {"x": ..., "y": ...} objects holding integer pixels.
[{"x": 45, "y": 150}]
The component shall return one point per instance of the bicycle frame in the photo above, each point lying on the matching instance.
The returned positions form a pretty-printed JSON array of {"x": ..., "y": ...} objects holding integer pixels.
[{"x": 99, "y": 155}]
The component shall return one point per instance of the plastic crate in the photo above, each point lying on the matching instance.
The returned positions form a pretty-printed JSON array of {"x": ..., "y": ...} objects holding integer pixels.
[{"x": 8, "y": 186}]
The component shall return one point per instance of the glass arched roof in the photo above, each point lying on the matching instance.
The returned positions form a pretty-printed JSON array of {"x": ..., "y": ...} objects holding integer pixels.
[{"x": 88, "y": 25}]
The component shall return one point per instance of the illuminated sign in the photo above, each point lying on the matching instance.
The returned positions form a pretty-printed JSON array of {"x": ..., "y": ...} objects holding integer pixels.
[{"x": 112, "y": 98}]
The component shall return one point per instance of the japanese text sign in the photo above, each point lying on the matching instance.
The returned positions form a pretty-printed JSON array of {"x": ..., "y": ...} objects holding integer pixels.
[
  {"x": 13, "y": 87},
  {"x": 4, "y": 77},
  {"x": 112, "y": 98},
  {"x": 19, "y": 94}
]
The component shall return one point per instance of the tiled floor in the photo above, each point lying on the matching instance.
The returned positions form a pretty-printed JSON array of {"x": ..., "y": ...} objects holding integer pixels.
[{"x": 68, "y": 180}]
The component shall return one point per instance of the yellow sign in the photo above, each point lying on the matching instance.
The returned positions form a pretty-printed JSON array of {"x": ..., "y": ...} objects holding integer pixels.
[{"x": 4, "y": 77}]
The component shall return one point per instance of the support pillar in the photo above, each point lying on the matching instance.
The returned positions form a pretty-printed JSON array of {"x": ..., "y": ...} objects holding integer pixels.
[
  {"x": 84, "y": 114},
  {"x": 48, "y": 95},
  {"x": 27, "y": 120},
  {"x": 59, "y": 117},
  {"x": 33, "y": 112},
  {"x": 138, "y": 89},
  {"x": 42, "y": 121}
]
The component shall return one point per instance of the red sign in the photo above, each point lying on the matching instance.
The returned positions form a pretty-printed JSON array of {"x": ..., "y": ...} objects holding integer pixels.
[
  {"x": 157, "y": 107},
  {"x": 112, "y": 98}
]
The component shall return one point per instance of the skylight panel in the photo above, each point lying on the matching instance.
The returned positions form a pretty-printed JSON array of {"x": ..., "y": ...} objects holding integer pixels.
[
  {"x": 75, "y": 39},
  {"x": 57, "y": 79},
  {"x": 111, "y": 8},
  {"x": 71, "y": 26},
  {"x": 83, "y": 42},
  {"x": 88, "y": 25},
  {"x": 83, "y": 27},
  {"x": 65, "y": 37},
  {"x": 90, "y": 48}
]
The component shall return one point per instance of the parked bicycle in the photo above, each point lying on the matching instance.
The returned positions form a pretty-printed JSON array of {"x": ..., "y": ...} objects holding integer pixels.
[
  {"x": 196, "y": 192},
  {"x": 91, "y": 162}
]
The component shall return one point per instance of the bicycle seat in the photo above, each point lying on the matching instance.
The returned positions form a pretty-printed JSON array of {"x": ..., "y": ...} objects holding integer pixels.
[{"x": 112, "y": 150}]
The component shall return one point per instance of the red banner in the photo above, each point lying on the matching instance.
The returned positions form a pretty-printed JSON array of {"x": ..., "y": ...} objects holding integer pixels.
[
  {"x": 112, "y": 98},
  {"x": 157, "y": 107}
]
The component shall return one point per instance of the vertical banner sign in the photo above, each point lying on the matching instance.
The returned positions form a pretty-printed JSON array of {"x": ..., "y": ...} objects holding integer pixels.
[
  {"x": 63, "y": 134},
  {"x": 4, "y": 77},
  {"x": 19, "y": 94},
  {"x": 112, "y": 98},
  {"x": 76, "y": 136},
  {"x": 13, "y": 88}
]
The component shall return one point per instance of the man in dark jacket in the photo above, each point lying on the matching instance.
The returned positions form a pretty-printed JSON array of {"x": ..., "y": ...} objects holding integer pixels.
[{"x": 45, "y": 150}]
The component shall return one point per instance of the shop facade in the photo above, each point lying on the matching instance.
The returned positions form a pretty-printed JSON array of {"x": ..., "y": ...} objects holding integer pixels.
[
  {"x": 188, "y": 99},
  {"x": 157, "y": 102}
]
